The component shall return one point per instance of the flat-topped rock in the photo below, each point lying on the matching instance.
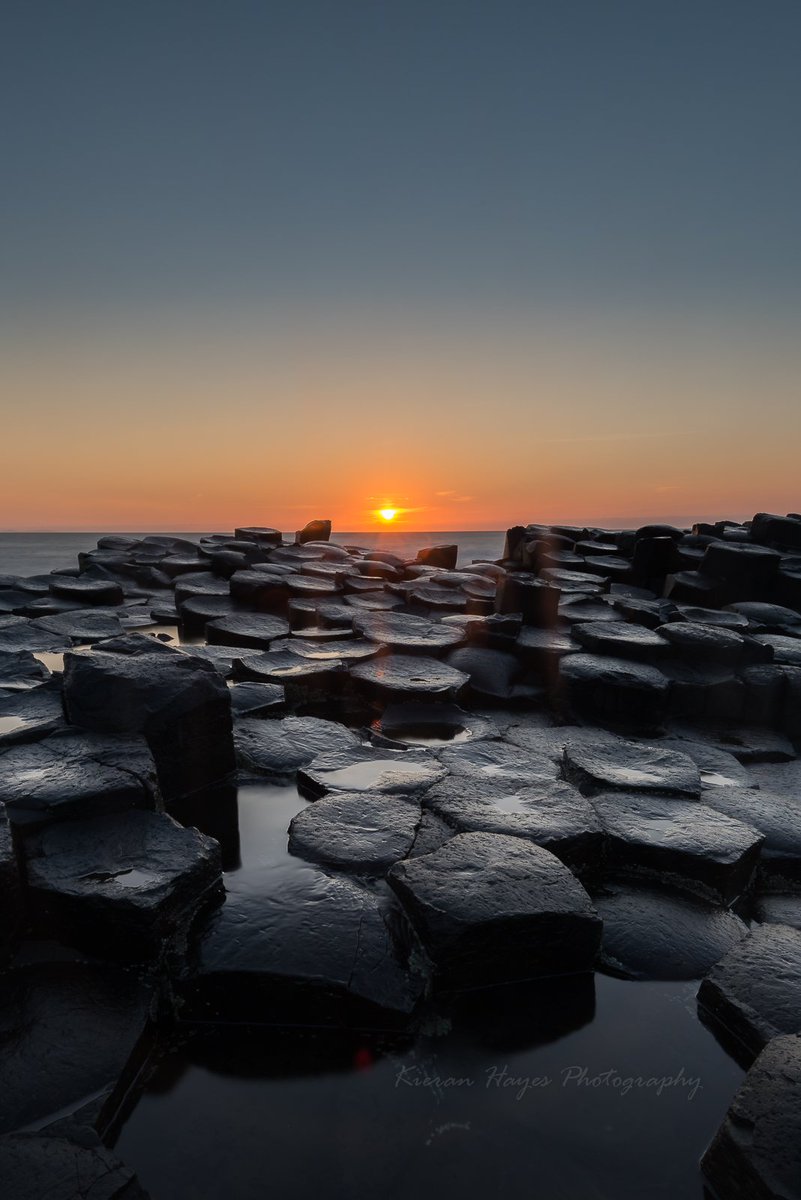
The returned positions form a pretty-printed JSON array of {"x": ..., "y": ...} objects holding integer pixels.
[
  {"x": 84, "y": 624},
  {"x": 756, "y": 1153},
  {"x": 697, "y": 641},
  {"x": 319, "y": 649},
  {"x": 120, "y": 884},
  {"x": 21, "y": 634},
  {"x": 494, "y": 675},
  {"x": 257, "y": 699},
  {"x": 421, "y": 723},
  {"x": 361, "y": 832},
  {"x": 767, "y": 617},
  {"x": 718, "y": 617},
  {"x": 258, "y": 630},
  {"x": 87, "y": 591},
  {"x": 778, "y": 908},
  {"x": 754, "y": 992},
  {"x": 313, "y": 947},
  {"x": 366, "y": 769},
  {"x": 69, "y": 1032},
  {"x": 622, "y": 639},
  {"x": 279, "y": 748},
  {"x": 614, "y": 690},
  {"x": 406, "y": 676},
  {"x": 74, "y": 775},
  {"x": 296, "y": 674},
  {"x": 492, "y": 761},
  {"x": 20, "y": 670},
  {"x": 786, "y": 650},
  {"x": 680, "y": 844},
  {"x": 491, "y": 909},
  {"x": 549, "y": 812},
  {"x": 406, "y": 633},
  {"x": 778, "y": 818},
  {"x": 658, "y": 935},
  {"x": 717, "y": 767},
  {"x": 30, "y": 714},
  {"x": 632, "y": 766}
]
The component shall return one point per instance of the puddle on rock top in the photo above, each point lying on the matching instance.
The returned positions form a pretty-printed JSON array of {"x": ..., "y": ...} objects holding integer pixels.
[
  {"x": 525, "y": 1091},
  {"x": 12, "y": 724},
  {"x": 511, "y": 804}
]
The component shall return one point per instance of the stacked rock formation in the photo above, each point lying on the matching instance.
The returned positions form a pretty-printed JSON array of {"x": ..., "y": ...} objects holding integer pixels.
[{"x": 597, "y": 731}]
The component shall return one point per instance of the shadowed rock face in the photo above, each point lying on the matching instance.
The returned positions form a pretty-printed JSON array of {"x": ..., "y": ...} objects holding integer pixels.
[
  {"x": 778, "y": 819},
  {"x": 490, "y": 908},
  {"x": 756, "y": 1153},
  {"x": 614, "y": 690},
  {"x": 317, "y": 948},
  {"x": 77, "y": 1167},
  {"x": 651, "y": 934},
  {"x": 180, "y": 704},
  {"x": 623, "y": 639},
  {"x": 69, "y": 1031},
  {"x": 678, "y": 843},
  {"x": 754, "y": 992},
  {"x": 123, "y": 884}
]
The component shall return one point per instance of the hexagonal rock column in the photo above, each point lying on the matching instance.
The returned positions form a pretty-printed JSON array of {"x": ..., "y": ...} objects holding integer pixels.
[
  {"x": 121, "y": 884},
  {"x": 754, "y": 992},
  {"x": 490, "y": 909},
  {"x": 756, "y": 1153},
  {"x": 180, "y": 703}
]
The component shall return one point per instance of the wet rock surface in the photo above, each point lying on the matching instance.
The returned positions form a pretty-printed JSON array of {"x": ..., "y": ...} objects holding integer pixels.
[
  {"x": 76, "y": 1167},
  {"x": 754, "y": 993},
  {"x": 651, "y": 934},
  {"x": 615, "y": 705},
  {"x": 757, "y": 1150},
  {"x": 490, "y": 908},
  {"x": 359, "y": 832}
]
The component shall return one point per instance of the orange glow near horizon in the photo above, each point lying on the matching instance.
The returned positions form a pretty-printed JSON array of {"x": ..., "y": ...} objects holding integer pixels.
[{"x": 207, "y": 428}]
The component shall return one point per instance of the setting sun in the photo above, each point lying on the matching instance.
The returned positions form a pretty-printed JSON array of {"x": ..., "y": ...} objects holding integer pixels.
[{"x": 387, "y": 514}]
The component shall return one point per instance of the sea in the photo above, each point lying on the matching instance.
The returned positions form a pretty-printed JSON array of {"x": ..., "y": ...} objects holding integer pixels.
[{"x": 39, "y": 553}]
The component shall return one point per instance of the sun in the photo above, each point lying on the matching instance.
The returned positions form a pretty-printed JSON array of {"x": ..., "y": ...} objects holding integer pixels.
[{"x": 387, "y": 514}]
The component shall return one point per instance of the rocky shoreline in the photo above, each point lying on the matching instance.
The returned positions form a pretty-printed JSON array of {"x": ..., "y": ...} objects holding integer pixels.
[{"x": 582, "y": 756}]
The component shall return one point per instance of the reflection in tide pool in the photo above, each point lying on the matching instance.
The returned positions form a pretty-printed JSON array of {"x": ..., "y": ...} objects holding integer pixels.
[{"x": 587, "y": 1087}]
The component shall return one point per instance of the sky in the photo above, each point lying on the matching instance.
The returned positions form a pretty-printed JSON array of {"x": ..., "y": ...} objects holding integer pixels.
[{"x": 480, "y": 261}]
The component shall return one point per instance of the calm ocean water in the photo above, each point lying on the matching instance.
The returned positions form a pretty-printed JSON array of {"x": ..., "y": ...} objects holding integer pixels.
[{"x": 37, "y": 553}]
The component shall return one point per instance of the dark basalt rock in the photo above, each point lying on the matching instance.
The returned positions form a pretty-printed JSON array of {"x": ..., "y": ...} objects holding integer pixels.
[
  {"x": 21, "y": 634},
  {"x": 70, "y": 1031},
  {"x": 586, "y": 610},
  {"x": 719, "y": 618},
  {"x": 84, "y": 625},
  {"x": 314, "y": 948},
  {"x": 778, "y": 819},
  {"x": 767, "y": 618},
  {"x": 705, "y": 643},
  {"x": 374, "y": 601},
  {"x": 358, "y": 831},
  {"x": 313, "y": 531},
  {"x": 74, "y": 775},
  {"x": 770, "y": 529},
  {"x": 657, "y": 935},
  {"x": 180, "y": 703},
  {"x": 542, "y": 649},
  {"x": 439, "y": 556},
  {"x": 10, "y": 893},
  {"x": 257, "y": 700},
  {"x": 491, "y": 909},
  {"x": 707, "y": 691},
  {"x": 537, "y": 602},
  {"x": 325, "y": 649},
  {"x": 497, "y": 762},
  {"x": 615, "y": 691},
  {"x": 407, "y": 633},
  {"x": 407, "y": 676},
  {"x": 786, "y": 650},
  {"x": 632, "y": 766},
  {"x": 73, "y": 1167},
  {"x": 494, "y": 676},
  {"x": 121, "y": 884},
  {"x": 87, "y": 591},
  {"x": 778, "y": 908},
  {"x": 196, "y": 612},
  {"x": 754, "y": 992},
  {"x": 262, "y": 535},
  {"x": 19, "y": 671},
  {"x": 257, "y": 630},
  {"x": 367, "y": 769},
  {"x": 680, "y": 844},
  {"x": 548, "y": 812},
  {"x": 27, "y": 716},
  {"x": 622, "y": 639},
  {"x": 298, "y": 676},
  {"x": 279, "y": 748},
  {"x": 718, "y": 768},
  {"x": 756, "y": 1153}
]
